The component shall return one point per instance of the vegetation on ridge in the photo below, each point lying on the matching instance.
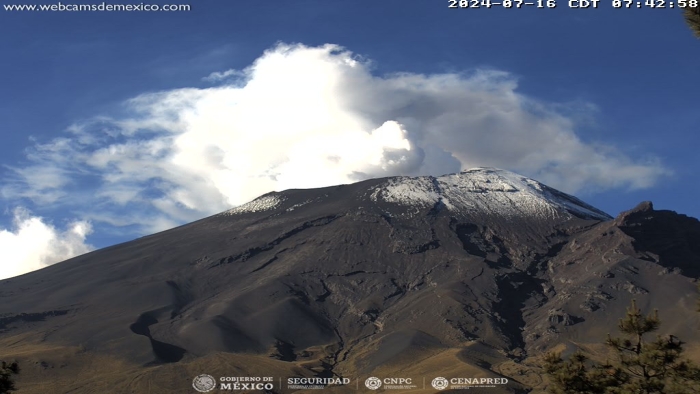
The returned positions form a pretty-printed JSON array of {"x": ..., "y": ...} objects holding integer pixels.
[
  {"x": 6, "y": 371},
  {"x": 642, "y": 366},
  {"x": 692, "y": 18}
]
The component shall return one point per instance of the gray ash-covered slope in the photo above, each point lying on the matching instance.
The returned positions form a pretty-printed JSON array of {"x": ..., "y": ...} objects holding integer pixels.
[{"x": 484, "y": 266}]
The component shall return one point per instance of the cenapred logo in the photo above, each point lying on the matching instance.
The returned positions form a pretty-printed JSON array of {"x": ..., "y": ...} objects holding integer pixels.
[
  {"x": 440, "y": 383},
  {"x": 204, "y": 383},
  {"x": 373, "y": 383}
]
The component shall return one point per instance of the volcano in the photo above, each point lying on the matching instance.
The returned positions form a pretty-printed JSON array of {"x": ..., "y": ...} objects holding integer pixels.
[{"x": 468, "y": 275}]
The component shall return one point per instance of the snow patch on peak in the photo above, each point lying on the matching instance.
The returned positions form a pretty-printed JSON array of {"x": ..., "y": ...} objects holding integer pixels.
[
  {"x": 295, "y": 206},
  {"x": 486, "y": 191},
  {"x": 264, "y": 203},
  {"x": 408, "y": 191}
]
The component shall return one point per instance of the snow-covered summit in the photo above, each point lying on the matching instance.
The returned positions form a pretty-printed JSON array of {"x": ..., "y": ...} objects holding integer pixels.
[
  {"x": 478, "y": 191},
  {"x": 485, "y": 191}
]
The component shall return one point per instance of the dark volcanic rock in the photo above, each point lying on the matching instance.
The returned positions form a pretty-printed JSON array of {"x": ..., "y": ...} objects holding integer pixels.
[
  {"x": 350, "y": 279},
  {"x": 664, "y": 237}
]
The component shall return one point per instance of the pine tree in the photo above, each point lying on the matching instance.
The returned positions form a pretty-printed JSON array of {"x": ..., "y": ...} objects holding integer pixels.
[
  {"x": 6, "y": 372},
  {"x": 692, "y": 17},
  {"x": 642, "y": 366},
  {"x": 655, "y": 366},
  {"x": 576, "y": 376}
]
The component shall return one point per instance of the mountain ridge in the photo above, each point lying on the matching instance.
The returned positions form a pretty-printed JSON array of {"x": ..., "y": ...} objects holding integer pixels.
[{"x": 333, "y": 282}]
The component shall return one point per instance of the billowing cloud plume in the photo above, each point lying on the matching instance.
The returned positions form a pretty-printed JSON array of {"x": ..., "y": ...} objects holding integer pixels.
[
  {"x": 32, "y": 243},
  {"x": 302, "y": 117}
]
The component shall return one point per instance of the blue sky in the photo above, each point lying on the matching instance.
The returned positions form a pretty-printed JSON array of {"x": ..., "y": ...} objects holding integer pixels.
[{"x": 103, "y": 114}]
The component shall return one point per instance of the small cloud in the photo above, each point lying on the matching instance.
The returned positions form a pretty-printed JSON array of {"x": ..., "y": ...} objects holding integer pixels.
[{"x": 32, "y": 243}]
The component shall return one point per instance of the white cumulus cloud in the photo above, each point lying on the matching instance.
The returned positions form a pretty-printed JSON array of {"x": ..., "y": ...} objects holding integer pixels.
[
  {"x": 301, "y": 117},
  {"x": 32, "y": 243}
]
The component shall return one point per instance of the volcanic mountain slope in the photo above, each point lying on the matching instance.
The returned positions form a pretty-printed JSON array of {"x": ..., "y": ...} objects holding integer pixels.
[{"x": 473, "y": 274}]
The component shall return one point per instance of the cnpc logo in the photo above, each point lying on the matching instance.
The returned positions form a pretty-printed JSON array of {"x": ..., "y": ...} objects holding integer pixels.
[{"x": 375, "y": 383}]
